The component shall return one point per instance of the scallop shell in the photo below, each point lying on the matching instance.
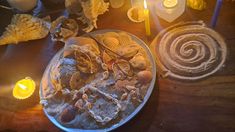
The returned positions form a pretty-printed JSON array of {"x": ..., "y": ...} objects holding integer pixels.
[
  {"x": 125, "y": 39},
  {"x": 89, "y": 43},
  {"x": 24, "y": 27}
]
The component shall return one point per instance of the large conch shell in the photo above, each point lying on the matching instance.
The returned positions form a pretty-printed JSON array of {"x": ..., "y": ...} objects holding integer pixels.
[
  {"x": 87, "y": 11},
  {"x": 93, "y": 8},
  {"x": 23, "y": 28}
]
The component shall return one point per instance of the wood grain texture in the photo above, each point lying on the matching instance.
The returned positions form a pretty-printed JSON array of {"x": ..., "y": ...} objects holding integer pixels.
[{"x": 175, "y": 106}]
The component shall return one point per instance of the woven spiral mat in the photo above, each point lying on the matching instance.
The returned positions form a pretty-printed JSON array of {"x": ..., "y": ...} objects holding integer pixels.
[{"x": 189, "y": 51}]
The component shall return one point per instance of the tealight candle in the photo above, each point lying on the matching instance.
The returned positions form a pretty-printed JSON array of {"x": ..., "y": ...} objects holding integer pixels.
[
  {"x": 170, "y": 3},
  {"x": 24, "y": 88},
  {"x": 147, "y": 23}
]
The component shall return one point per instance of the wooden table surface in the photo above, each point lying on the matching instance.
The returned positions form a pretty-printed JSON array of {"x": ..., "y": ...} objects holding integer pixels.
[{"x": 201, "y": 106}]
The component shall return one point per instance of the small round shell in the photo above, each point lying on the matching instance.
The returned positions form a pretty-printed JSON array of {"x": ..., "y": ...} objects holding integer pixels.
[{"x": 144, "y": 76}]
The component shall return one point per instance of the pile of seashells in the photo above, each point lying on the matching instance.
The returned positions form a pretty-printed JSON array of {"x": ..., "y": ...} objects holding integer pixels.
[
  {"x": 91, "y": 86},
  {"x": 25, "y": 27}
]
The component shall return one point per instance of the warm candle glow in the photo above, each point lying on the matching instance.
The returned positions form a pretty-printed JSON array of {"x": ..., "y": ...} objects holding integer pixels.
[
  {"x": 170, "y": 3},
  {"x": 145, "y": 4},
  {"x": 24, "y": 88},
  {"x": 147, "y": 23}
]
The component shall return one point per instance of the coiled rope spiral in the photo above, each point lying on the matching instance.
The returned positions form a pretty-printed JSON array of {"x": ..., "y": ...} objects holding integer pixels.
[{"x": 189, "y": 51}]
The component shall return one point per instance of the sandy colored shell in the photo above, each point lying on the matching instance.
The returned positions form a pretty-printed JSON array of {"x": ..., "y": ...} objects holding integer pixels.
[
  {"x": 85, "y": 42},
  {"x": 196, "y": 4},
  {"x": 76, "y": 80},
  {"x": 128, "y": 50},
  {"x": 63, "y": 28},
  {"x": 93, "y": 8},
  {"x": 138, "y": 61},
  {"x": 23, "y": 28}
]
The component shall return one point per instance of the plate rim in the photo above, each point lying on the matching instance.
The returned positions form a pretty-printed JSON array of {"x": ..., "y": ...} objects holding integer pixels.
[{"x": 129, "y": 117}]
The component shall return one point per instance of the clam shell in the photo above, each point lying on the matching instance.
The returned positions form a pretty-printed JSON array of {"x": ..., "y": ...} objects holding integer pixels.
[{"x": 128, "y": 51}]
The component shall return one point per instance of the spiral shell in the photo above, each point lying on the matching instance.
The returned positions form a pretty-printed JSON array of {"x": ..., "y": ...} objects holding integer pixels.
[{"x": 189, "y": 51}]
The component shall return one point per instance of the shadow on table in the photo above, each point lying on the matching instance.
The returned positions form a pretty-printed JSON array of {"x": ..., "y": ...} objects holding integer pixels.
[
  {"x": 9, "y": 103},
  {"x": 143, "y": 120}
]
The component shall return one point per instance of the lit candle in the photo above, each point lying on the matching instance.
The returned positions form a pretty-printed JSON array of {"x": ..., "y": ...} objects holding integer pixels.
[
  {"x": 147, "y": 23},
  {"x": 170, "y": 3},
  {"x": 24, "y": 88}
]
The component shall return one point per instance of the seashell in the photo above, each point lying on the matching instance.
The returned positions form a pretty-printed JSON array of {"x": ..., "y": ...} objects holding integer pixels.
[
  {"x": 100, "y": 37},
  {"x": 68, "y": 53},
  {"x": 76, "y": 81},
  {"x": 124, "y": 39},
  {"x": 68, "y": 114},
  {"x": 93, "y": 8},
  {"x": 23, "y": 5},
  {"x": 136, "y": 14},
  {"x": 128, "y": 50},
  {"x": 196, "y": 4},
  {"x": 138, "y": 61},
  {"x": 144, "y": 76},
  {"x": 89, "y": 43},
  {"x": 117, "y": 73},
  {"x": 23, "y": 28},
  {"x": 116, "y": 3},
  {"x": 62, "y": 72},
  {"x": 125, "y": 67},
  {"x": 73, "y": 6},
  {"x": 63, "y": 28},
  {"x": 111, "y": 43},
  {"x": 85, "y": 63}
]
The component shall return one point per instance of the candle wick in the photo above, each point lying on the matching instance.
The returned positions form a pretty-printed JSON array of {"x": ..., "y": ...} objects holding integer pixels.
[{"x": 22, "y": 86}]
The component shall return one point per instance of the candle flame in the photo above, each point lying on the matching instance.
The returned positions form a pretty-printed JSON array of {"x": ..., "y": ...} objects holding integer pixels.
[
  {"x": 145, "y": 4},
  {"x": 22, "y": 86}
]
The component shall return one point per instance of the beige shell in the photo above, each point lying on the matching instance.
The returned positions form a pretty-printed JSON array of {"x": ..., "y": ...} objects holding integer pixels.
[
  {"x": 93, "y": 8},
  {"x": 23, "y": 28},
  {"x": 85, "y": 42},
  {"x": 73, "y": 6},
  {"x": 138, "y": 61},
  {"x": 128, "y": 50},
  {"x": 85, "y": 62},
  {"x": 136, "y": 14},
  {"x": 125, "y": 67},
  {"x": 125, "y": 39},
  {"x": 63, "y": 28}
]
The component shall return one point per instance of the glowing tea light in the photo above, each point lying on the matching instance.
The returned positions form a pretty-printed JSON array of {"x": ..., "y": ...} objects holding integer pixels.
[
  {"x": 147, "y": 23},
  {"x": 170, "y": 3},
  {"x": 24, "y": 88}
]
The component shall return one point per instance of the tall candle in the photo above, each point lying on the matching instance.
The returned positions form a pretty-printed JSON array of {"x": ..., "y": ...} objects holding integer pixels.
[
  {"x": 147, "y": 23},
  {"x": 216, "y": 13}
]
